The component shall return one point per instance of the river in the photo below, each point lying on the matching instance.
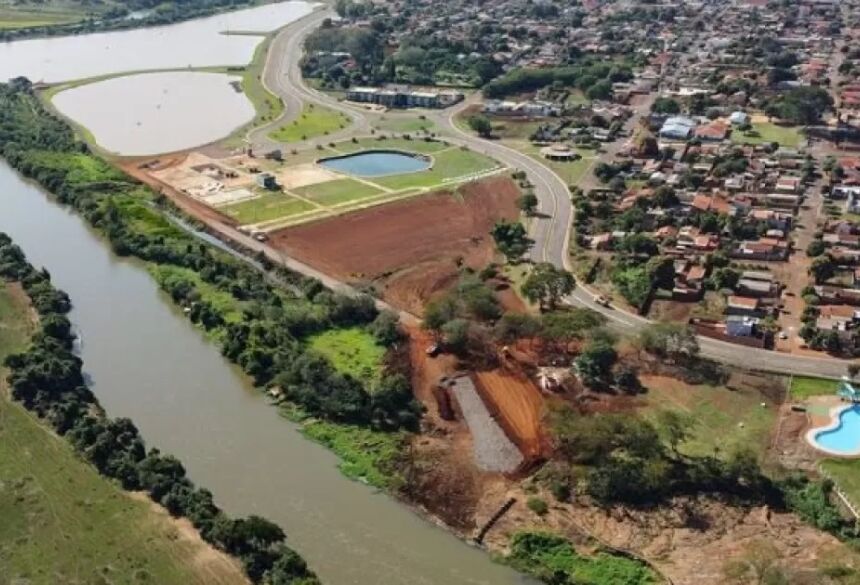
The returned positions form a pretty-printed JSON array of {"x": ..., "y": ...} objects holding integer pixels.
[
  {"x": 148, "y": 363},
  {"x": 194, "y": 43}
]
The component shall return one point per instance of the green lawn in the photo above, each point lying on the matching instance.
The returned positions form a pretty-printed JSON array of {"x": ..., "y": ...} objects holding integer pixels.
[
  {"x": 31, "y": 16},
  {"x": 570, "y": 172},
  {"x": 766, "y": 132},
  {"x": 723, "y": 419},
  {"x": 338, "y": 191},
  {"x": 543, "y": 553},
  {"x": 406, "y": 125},
  {"x": 313, "y": 122},
  {"x": 267, "y": 105},
  {"x": 803, "y": 387},
  {"x": 266, "y": 207},
  {"x": 222, "y": 301},
  {"x": 846, "y": 473},
  {"x": 366, "y": 455},
  {"x": 418, "y": 145},
  {"x": 448, "y": 164},
  {"x": 351, "y": 351},
  {"x": 61, "y": 521}
]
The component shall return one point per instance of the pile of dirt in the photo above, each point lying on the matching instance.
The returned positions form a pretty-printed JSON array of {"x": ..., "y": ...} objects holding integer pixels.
[
  {"x": 518, "y": 406},
  {"x": 410, "y": 250}
]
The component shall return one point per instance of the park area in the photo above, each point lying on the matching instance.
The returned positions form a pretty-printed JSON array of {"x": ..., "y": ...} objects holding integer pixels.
[
  {"x": 767, "y": 133},
  {"x": 270, "y": 193},
  {"x": 409, "y": 250},
  {"x": 313, "y": 122}
]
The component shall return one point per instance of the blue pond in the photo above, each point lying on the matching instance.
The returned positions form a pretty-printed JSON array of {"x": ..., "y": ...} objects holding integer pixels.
[
  {"x": 844, "y": 439},
  {"x": 376, "y": 163}
]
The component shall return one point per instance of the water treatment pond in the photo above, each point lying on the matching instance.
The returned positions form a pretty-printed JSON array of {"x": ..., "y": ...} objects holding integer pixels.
[
  {"x": 157, "y": 112},
  {"x": 195, "y": 43},
  {"x": 377, "y": 163}
]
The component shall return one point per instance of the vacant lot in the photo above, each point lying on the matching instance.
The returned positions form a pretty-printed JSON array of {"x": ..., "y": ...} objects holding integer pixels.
[
  {"x": 518, "y": 406},
  {"x": 723, "y": 419},
  {"x": 338, "y": 191},
  {"x": 351, "y": 351},
  {"x": 314, "y": 121},
  {"x": 29, "y": 14},
  {"x": 63, "y": 523},
  {"x": 766, "y": 132},
  {"x": 266, "y": 207},
  {"x": 804, "y": 387},
  {"x": 410, "y": 250}
]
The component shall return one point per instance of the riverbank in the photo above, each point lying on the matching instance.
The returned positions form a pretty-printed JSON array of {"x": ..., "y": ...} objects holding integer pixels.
[
  {"x": 44, "y": 377},
  {"x": 117, "y": 208},
  {"x": 77, "y": 21}
]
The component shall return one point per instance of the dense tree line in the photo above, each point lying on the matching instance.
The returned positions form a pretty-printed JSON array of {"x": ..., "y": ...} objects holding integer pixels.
[
  {"x": 594, "y": 78},
  {"x": 116, "y": 17},
  {"x": 267, "y": 341},
  {"x": 47, "y": 379}
]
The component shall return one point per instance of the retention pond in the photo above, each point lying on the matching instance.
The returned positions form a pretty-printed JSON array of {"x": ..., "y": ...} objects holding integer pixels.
[{"x": 377, "y": 163}]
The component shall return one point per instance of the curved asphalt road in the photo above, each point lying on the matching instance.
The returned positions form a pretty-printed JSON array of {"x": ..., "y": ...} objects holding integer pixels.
[{"x": 550, "y": 230}]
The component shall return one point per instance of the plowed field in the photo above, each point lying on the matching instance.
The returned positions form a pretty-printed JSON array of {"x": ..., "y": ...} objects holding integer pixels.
[{"x": 410, "y": 250}]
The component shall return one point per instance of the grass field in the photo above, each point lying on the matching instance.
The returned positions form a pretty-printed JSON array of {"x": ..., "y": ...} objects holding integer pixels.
[
  {"x": 803, "y": 387},
  {"x": 846, "y": 473},
  {"x": 765, "y": 133},
  {"x": 351, "y": 351},
  {"x": 266, "y": 207},
  {"x": 266, "y": 105},
  {"x": 448, "y": 164},
  {"x": 724, "y": 419},
  {"x": 570, "y": 172},
  {"x": 415, "y": 145},
  {"x": 28, "y": 14},
  {"x": 406, "y": 125},
  {"x": 64, "y": 523},
  {"x": 337, "y": 192},
  {"x": 313, "y": 122}
]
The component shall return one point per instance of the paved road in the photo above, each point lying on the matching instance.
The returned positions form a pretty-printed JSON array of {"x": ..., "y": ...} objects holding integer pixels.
[{"x": 550, "y": 231}]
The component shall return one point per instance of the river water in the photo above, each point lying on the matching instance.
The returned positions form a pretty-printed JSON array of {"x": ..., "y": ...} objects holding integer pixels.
[
  {"x": 153, "y": 113},
  {"x": 148, "y": 363},
  {"x": 194, "y": 43}
]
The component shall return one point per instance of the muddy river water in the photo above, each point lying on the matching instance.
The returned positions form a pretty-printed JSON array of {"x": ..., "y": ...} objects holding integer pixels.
[{"x": 148, "y": 363}]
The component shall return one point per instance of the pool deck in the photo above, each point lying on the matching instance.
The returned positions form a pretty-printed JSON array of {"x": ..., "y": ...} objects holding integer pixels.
[{"x": 823, "y": 415}]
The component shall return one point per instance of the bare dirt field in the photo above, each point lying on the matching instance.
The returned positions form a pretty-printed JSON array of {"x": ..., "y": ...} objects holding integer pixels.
[
  {"x": 410, "y": 250},
  {"x": 517, "y": 405}
]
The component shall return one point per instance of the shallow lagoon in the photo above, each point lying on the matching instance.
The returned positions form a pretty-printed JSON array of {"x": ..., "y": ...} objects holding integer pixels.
[{"x": 157, "y": 112}]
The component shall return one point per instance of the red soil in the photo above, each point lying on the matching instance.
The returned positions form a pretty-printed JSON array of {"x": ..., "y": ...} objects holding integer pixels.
[
  {"x": 518, "y": 406},
  {"x": 411, "y": 250}
]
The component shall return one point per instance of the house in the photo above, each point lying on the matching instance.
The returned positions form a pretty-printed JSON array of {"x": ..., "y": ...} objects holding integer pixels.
[
  {"x": 837, "y": 317},
  {"x": 677, "y": 128},
  {"x": 267, "y": 181},
  {"x": 834, "y": 295},
  {"x": 788, "y": 185},
  {"x": 740, "y": 326},
  {"x": 715, "y": 131},
  {"x": 757, "y": 288},
  {"x": 602, "y": 241},
  {"x": 741, "y": 305},
  {"x": 739, "y": 118}
]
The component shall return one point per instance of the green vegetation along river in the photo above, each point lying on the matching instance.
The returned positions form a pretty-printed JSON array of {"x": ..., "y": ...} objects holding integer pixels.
[{"x": 147, "y": 362}]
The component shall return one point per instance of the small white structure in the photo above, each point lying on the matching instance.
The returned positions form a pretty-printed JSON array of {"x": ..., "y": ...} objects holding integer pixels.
[{"x": 739, "y": 118}]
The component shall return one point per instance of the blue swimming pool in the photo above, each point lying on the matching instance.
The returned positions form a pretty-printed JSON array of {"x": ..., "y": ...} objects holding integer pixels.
[
  {"x": 843, "y": 438},
  {"x": 376, "y": 163}
]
